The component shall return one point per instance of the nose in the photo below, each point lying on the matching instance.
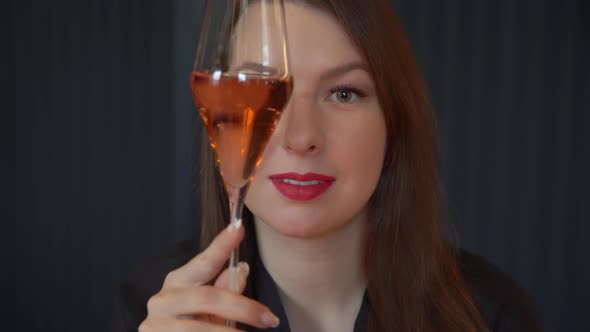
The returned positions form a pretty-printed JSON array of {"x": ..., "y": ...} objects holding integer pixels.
[{"x": 302, "y": 131}]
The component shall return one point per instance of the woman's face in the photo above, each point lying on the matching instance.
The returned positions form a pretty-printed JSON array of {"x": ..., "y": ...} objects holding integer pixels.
[{"x": 324, "y": 159}]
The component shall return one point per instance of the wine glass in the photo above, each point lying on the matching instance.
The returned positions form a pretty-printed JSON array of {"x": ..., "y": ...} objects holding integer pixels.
[{"x": 240, "y": 84}]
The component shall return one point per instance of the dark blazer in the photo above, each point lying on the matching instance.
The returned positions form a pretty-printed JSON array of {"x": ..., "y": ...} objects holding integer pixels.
[{"x": 504, "y": 304}]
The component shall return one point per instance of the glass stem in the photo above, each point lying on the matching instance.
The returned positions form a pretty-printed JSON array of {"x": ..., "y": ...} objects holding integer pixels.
[{"x": 236, "y": 204}]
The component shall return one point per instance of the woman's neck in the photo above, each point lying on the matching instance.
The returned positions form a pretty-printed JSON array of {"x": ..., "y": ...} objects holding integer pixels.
[{"x": 318, "y": 277}]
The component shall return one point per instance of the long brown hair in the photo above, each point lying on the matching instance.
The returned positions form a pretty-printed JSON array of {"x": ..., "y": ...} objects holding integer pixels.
[{"x": 413, "y": 280}]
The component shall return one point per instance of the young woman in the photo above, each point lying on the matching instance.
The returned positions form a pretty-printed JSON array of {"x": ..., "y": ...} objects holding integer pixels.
[{"x": 342, "y": 227}]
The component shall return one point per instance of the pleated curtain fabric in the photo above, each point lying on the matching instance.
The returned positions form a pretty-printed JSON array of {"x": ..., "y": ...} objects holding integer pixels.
[
  {"x": 510, "y": 83},
  {"x": 95, "y": 151}
]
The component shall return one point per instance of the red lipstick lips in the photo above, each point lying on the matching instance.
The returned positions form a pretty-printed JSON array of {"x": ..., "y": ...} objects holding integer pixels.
[{"x": 301, "y": 187}]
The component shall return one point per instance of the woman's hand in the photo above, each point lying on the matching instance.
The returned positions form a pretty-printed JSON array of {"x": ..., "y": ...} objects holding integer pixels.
[{"x": 187, "y": 303}]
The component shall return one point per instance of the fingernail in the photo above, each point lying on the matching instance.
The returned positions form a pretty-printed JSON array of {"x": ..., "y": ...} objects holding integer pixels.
[
  {"x": 269, "y": 319},
  {"x": 244, "y": 269},
  {"x": 234, "y": 226}
]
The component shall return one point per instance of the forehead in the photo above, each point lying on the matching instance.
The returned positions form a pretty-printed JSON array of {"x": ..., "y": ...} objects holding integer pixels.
[{"x": 315, "y": 38}]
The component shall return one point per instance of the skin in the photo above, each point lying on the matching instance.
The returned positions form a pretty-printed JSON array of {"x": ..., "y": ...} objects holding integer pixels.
[
  {"x": 322, "y": 285},
  {"x": 318, "y": 132}
]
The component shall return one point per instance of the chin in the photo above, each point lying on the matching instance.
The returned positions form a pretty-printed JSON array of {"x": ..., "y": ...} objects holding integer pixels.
[
  {"x": 297, "y": 230},
  {"x": 302, "y": 226}
]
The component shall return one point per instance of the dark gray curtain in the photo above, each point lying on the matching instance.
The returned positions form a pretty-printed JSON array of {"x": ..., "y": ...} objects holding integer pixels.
[
  {"x": 95, "y": 152},
  {"x": 104, "y": 127},
  {"x": 510, "y": 82}
]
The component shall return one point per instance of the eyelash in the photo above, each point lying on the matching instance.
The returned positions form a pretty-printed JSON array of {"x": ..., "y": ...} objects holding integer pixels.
[{"x": 359, "y": 93}]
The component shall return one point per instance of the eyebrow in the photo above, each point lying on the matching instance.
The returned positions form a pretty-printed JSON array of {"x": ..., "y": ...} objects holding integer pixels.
[
  {"x": 258, "y": 68},
  {"x": 345, "y": 68},
  {"x": 332, "y": 72}
]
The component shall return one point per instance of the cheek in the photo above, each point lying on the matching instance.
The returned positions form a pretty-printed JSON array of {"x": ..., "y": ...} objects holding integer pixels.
[
  {"x": 354, "y": 151},
  {"x": 359, "y": 145},
  {"x": 257, "y": 191}
]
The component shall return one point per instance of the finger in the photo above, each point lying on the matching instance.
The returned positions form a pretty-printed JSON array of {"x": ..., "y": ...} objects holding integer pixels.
[
  {"x": 223, "y": 282},
  {"x": 209, "y": 300},
  {"x": 180, "y": 325},
  {"x": 208, "y": 263},
  {"x": 242, "y": 276}
]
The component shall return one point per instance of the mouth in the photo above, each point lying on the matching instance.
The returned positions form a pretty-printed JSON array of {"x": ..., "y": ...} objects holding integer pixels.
[{"x": 301, "y": 187}]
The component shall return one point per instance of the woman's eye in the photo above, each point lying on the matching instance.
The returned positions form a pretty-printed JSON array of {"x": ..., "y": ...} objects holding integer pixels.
[{"x": 345, "y": 95}]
